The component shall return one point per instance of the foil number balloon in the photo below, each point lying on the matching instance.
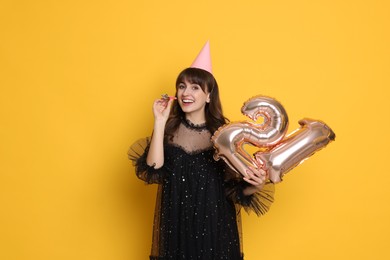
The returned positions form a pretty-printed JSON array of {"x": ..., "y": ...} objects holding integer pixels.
[{"x": 279, "y": 154}]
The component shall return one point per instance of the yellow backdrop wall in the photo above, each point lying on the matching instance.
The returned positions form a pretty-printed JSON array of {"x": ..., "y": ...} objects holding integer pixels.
[{"x": 77, "y": 79}]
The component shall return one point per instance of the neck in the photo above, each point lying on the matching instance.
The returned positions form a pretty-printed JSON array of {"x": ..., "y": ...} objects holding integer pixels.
[{"x": 197, "y": 119}]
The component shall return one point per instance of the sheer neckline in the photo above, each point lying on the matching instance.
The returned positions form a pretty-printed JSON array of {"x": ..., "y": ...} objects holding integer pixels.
[
  {"x": 188, "y": 124},
  {"x": 192, "y": 137}
]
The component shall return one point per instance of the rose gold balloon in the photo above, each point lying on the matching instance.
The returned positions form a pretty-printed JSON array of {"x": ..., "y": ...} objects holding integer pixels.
[
  {"x": 295, "y": 148},
  {"x": 278, "y": 156},
  {"x": 229, "y": 139}
]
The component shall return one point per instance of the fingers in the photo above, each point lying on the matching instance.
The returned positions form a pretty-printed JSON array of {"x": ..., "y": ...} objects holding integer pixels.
[
  {"x": 162, "y": 103},
  {"x": 165, "y": 100},
  {"x": 251, "y": 182},
  {"x": 255, "y": 176},
  {"x": 168, "y": 105},
  {"x": 162, "y": 107},
  {"x": 159, "y": 105},
  {"x": 170, "y": 101},
  {"x": 258, "y": 172}
]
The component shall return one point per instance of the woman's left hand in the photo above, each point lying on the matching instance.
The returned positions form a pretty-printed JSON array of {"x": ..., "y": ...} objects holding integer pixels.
[{"x": 256, "y": 177}]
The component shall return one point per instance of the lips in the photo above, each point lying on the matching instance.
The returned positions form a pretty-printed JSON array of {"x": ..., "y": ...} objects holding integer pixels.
[{"x": 187, "y": 101}]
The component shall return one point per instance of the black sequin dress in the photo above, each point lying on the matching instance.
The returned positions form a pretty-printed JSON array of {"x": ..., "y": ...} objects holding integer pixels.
[{"x": 198, "y": 200}]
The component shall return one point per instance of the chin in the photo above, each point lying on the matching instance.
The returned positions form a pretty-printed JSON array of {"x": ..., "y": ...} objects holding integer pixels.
[{"x": 186, "y": 110}]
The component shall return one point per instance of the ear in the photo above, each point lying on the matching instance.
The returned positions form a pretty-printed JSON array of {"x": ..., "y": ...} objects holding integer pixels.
[{"x": 208, "y": 98}]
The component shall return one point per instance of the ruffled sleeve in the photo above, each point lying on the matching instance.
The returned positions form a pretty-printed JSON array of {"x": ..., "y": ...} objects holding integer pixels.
[
  {"x": 259, "y": 202},
  {"x": 137, "y": 153}
]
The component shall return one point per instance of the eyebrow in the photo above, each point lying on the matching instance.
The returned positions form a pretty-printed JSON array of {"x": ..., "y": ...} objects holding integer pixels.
[{"x": 182, "y": 82}]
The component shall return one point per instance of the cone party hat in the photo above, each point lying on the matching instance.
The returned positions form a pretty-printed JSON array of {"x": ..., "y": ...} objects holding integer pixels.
[{"x": 203, "y": 60}]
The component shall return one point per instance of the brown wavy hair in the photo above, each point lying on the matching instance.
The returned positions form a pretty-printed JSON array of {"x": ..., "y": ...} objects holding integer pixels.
[{"x": 213, "y": 109}]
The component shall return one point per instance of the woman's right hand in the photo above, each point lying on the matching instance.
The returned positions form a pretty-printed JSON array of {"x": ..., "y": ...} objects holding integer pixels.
[{"x": 162, "y": 108}]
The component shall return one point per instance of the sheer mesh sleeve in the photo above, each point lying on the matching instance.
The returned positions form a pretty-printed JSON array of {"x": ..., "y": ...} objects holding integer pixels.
[
  {"x": 259, "y": 202},
  {"x": 137, "y": 153}
]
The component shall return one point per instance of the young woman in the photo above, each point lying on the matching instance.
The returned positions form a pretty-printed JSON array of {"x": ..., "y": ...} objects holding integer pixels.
[{"x": 198, "y": 201}]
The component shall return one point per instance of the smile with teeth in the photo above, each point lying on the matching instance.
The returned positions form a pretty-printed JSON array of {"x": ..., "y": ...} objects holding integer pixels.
[{"x": 187, "y": 101}]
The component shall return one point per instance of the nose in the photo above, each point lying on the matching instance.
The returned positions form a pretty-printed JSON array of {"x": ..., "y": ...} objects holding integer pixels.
[{"x": 185, "y": 91}]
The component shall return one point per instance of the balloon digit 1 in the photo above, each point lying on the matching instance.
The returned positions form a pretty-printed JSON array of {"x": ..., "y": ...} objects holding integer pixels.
[
  {"x": 295, "y": 148},
  {"x": 281, "y": 155}
]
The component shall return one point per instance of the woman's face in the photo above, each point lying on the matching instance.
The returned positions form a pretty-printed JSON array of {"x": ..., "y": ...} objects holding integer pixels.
[{"x": 191, "y": 97}]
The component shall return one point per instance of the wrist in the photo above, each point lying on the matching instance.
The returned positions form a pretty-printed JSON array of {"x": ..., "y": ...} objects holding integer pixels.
[{"x": 160, "y": 122}]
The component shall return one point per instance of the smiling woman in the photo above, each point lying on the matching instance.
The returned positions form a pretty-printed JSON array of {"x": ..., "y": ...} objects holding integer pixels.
[
  {"x": 77, "y": 81},
  {"x": 193, "y": 98},
  {"x": 197, "y": 100},
  {"x": 198, "y": 205}
]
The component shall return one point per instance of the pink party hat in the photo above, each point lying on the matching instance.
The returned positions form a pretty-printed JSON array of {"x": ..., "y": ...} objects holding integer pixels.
[{"x": 203, "y": 60}]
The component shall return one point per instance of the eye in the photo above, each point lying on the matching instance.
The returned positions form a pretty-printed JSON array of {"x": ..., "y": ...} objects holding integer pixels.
[
  {"x": 195, "y": 87},
  {"x": 181, "y": 86}
]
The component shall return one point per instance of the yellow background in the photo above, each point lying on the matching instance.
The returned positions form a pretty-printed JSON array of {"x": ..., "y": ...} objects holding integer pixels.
[{"x": 77, "y": 81}]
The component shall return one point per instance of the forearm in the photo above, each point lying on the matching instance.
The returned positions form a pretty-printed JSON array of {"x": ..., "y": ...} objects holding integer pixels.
[{"x": 156, "y": 150}]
